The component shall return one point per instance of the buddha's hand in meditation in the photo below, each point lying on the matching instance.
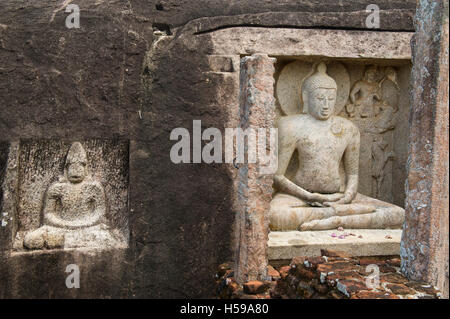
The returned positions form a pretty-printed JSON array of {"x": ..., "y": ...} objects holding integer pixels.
[
  {"x": 344, "y": 199},
  {"x": 325, "y": 198}
]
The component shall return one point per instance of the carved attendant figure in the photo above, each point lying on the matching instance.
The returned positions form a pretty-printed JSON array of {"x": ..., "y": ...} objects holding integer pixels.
[
  {"x": 368, "y": 92},
  {"x": 323, "y": 192}
]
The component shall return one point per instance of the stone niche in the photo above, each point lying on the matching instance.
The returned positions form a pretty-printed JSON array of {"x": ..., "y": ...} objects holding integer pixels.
[
  {"x": 57, "y": 206},
  {"x": 372, "y": 70},
  {"x": 379, "y": 106},
  {"x": 373, "y": 94}
]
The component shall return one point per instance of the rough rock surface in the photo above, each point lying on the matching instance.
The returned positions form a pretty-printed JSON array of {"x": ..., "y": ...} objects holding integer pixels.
[
  {"x": 135, "y": 70},
  {"x": 425, "y": 240}
]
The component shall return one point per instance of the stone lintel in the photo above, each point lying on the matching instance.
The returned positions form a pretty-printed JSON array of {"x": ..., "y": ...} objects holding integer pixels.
[{"x": 342, "y": 44}]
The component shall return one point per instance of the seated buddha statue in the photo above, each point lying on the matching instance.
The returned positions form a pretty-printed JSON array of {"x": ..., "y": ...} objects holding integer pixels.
[
  {"x": 74, "y": 208},
  {"x": 322, "y": 192}
]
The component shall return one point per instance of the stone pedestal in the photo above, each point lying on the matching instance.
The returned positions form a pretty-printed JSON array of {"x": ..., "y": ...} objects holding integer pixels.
[
  {"x": 354, "y": 242},
  {"x": 424, "y": 248},
  {"x": 257, "y": 110}
]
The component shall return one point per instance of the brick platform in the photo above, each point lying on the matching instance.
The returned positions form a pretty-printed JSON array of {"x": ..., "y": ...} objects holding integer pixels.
[{"x": 334, "y": 275}]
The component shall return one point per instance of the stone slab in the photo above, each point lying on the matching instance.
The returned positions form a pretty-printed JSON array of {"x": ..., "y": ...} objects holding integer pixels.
[
  {"x": 374, "y": 242},
  {"x": 310, "y": 43}
]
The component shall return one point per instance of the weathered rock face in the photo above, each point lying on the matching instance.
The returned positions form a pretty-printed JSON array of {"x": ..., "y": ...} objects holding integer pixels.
[
  {"x": 115, "y": 78},
  {"x": 424, "y": 249}
]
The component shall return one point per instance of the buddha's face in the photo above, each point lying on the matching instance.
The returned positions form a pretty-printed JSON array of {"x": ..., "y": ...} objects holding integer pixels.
[
  {"x": 76, "y": 172},
  {"x": 321, "y": 102}
]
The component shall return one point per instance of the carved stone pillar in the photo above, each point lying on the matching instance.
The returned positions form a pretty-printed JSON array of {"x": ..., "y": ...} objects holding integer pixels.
[
  {"x": 424, "y": 247},
  {"x": 257, "y": 110}
]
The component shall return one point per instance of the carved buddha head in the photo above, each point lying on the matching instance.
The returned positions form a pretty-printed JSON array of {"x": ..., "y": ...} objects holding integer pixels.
[
  {"x": 319, "y": 94},
  {"x": 76, "y": 162}
]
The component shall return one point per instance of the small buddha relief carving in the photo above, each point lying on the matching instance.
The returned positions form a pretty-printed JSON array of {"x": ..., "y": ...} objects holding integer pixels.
[{"x": 74, "y": 210}]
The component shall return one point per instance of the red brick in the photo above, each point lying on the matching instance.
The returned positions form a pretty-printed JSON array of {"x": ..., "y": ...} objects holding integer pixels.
[
  {"x": 387, "y": 269},
  {"x": 272, "y": 272},
  {"x": 255, "y": 287},
  {"x": 332, "y": 259},
  {"x": 336, "y": 295},
  {"x": 347, "y": 275},
  {"x": 422, "y": 287},
  {"x": 233, "y": 286},
  {"x": 309, "y": 262},
  {"x": 315, "y": 261},
  {"x": 223, "y": 268},
  {"x": 272, "y": 284},
  {"x": 334, "y": 253},
  {"x": 320, "y": 288},
  {"x": 281, "y": 287},
  {"x": 304, "y": 290},
  {"x": 336, "y": 266},
  {"x": 371, "y": 261},
  {"x": 426, "y": 297},
  {"x": 393, "y": 278},
  {"x": 349, "y": 287},
  {"x": 297, "y": 261},
  {"x": 284, "y": 271},
  {"x": 395, "y": 262},
  {"x": 400, "y": 289},
  {"x": 362, "y": 271},
  {"x": 304, "y": 273},
  {"x": 367, "y": 294}
]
